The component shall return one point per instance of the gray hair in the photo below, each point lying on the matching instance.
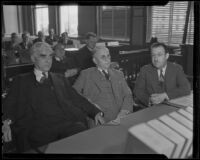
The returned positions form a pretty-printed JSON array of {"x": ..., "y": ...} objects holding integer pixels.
[
  {"x": 98, "y": 48},
  {"x": 39, "y": 47}
]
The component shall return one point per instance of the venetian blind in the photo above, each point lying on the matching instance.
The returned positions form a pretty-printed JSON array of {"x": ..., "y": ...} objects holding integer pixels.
[
  {"x": 168, "y": 22},
  {"x": 114, "y": 22}
]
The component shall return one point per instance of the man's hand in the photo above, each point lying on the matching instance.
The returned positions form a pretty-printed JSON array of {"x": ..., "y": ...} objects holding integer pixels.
[
  {"x": 158, "y": 98},
  {"x": 99, "y": 119},
  {"x": 122, "y": 113},
  {"x": 71, "y": 72},
  {"x": 6, "y": 137}
]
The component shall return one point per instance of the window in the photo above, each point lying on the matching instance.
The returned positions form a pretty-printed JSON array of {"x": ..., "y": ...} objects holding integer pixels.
[
  {"x": 41, "y": 13},
  {"x": 167, "y": 22},
  {"x": 114, "y": 22},
  {"x": 69, "y": 20},
  {"x": 190, "y": 31}
]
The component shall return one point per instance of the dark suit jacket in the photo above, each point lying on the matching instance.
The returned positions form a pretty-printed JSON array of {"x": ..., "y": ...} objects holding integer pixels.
[
  {"x": 22, "y": 46},
  {"x": 84, "y": 58},
  {"x": 19, "y": 107},
  {"x": 147, "y": 83},
  {"x": 50, "y": 41}
]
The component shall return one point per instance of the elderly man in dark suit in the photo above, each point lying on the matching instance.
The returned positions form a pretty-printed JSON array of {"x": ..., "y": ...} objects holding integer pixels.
[
  {"x": 42, "y": 107},
  {"x": 160, "y": 80},
  {"x": 105, "y": 87}
]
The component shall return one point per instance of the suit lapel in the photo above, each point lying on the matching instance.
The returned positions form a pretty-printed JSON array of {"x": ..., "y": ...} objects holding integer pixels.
[
  {"x": 98, "y": 78},
  {"x": 58, "y": 86},
  {"x": 168, "y": 74}
]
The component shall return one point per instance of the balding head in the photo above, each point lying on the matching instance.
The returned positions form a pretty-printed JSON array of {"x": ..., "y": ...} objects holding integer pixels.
[{"x": 101, "y": 57}]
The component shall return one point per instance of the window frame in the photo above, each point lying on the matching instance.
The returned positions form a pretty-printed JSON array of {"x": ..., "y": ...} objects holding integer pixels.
[
  {"x": 170, "y": 37},
  {"x": 34, "y": 16},
  {"x": 127, "y": 35}
]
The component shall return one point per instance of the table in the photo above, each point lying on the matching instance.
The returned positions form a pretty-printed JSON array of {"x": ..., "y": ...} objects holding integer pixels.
[{"x": 105, "y": 139}]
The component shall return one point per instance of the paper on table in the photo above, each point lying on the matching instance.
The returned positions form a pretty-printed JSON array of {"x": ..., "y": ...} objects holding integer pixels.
[
  {"x": 151, "y": 138},
  {"x": 182, "y": 130},
  {"x": 186, "y": 101},
  {"x": 170, "y": 134}
]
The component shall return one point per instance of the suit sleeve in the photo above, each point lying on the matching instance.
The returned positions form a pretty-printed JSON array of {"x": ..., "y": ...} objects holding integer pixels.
[
  {"x": 128, "y": 97},
  {"x": 79, "y": 84},
  {"x": 140, "y": 88},
  {"x": 10, "y": 102},
  {"x": 82, "y": 103},
  {"x": 183, "y": 85}
]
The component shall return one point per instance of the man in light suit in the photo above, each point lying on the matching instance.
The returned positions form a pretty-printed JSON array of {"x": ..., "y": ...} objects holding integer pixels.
[
  {"x": 42, "y": 107},
  {"x": 160, "y": 80},
  {"x": 105, "y": 86}
]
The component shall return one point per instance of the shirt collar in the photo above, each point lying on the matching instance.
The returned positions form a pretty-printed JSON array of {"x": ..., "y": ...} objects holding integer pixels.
[
  {"x": 57, "y": 58},
  {"x": 90, "y": 49},
  {"x": 102, "y": 70},
  {"x": 163, "y": 69},
  {"x": 38, "y": 74}
]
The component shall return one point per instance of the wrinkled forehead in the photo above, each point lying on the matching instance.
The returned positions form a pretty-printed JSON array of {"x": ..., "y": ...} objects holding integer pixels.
[
  {"x": 101, "y": 51},
  {"x": 159, "y": 49},
  {"x": 41, "y": 49}
]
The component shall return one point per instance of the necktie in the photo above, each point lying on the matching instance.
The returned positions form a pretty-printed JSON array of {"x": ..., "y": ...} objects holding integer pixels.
[
  {"x": 43, "y": 78},
  {"x": 161, "y": 79},
  {"x": 106, "y": 74},
  {"x": 161, "y": 76}
]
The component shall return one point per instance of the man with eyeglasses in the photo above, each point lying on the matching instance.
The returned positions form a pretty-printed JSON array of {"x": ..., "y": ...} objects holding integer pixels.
[{"x": 161, "y": 80}]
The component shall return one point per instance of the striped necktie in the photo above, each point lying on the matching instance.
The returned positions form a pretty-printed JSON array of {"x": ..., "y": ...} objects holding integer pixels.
[
  {"x": 162, "y": 78},
  {"x": 43, "y": 78},
  {"x": 106, "y": 74}
]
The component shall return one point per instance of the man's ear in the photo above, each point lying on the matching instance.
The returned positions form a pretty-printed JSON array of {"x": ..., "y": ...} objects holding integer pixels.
[
  {"x": 94, "y": 60},
  {"x": 167, "y": 55}
]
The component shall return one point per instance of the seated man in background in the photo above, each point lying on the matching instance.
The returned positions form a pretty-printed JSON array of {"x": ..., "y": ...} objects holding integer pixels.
[
  {"x": 24, "y": 46},
  {"x": 66, "y": 41},
  {"x": 84, "y": 56},
  {"x": 13, "y": 43},
  {"x": 62, "y": 64},
  {"x": 105, "y": 86},
  {"x": 160, "y": 80},
  {"x": 26, "y": 42},
  {"x": 52, "y": 39},
  {"x": 41, "y": 37},
  {"x": 42, "y": 107},
  {"x": 12, "y": 50}
]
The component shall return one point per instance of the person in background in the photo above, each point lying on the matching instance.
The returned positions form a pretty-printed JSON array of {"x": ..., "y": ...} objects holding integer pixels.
[
  {"x": 66, "y": 41},
  {"x": 41, "y": 37},
  {"x": 63, "y": 64},
  {"x": 105, "y": 86},
  {"x": 161, "y": 80},
  {"x": 13, "y": 43},
  {"x": 11, "y": 51},
  {"x": 41, "y": 107},
  {"x": 24, "y": 46},
  {"x": 52, "y": 39},
  {"x": 84, "y": 56},
  {"x": 26, "y": 42}
]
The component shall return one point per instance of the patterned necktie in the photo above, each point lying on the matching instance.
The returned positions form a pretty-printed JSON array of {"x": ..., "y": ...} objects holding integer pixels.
[
  {"x": 106, "y": 74},
  {"x": 162, "y": 79},
  {"x": 43, "y": 78},
  {"x": 161, "y": 76}
]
